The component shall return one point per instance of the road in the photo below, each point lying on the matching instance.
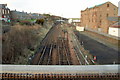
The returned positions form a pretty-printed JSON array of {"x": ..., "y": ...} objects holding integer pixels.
[{"x": 105, "y": 55}]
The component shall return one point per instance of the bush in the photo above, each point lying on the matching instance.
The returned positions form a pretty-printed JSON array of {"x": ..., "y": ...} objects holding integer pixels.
[
  {"x": 40, "y": 21},
  {"x": 16, "y": 40}
]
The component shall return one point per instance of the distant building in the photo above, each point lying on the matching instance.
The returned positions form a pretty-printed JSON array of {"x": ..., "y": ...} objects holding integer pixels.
[
  {"x": 54, "y": 17},
  {"x": 115, "y": 29},
  {"x": 35, "y": 16},
  {"x": 17, "y": 15},
  {"x": 74, "y": 21},
  {"x": 96, "y": 18},
  {"x": 4, "y": 12}
]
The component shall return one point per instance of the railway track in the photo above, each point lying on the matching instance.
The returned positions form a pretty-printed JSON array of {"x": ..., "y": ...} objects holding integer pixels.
[
  {"x": 50, "y": 53},
  {"x": 80, "y": 55},
  {"x": 45, "y": 58},
  {"x": 46, "y": 51},
  {"x": 78, "y": 58},
  {"x": 66, "y": 51},
  {"x": 56, "y": 43},
  {"x": 63, "y": 52}
]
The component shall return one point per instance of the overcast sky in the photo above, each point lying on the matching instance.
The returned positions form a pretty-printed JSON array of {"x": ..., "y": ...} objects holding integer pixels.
[
  {"x": 119, "y": 9},
  {"x": 65, "y": 8}
]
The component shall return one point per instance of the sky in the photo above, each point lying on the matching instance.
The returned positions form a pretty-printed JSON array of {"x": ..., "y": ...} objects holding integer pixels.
[
  {"x": 119, "y": 9},
  {"x": 64, "y": 8}
]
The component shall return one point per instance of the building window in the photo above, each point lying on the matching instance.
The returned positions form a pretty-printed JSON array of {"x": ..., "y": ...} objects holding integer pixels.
[
  {"x": 107, "y": 5},
  {"x": 100, "y": 22},
  {"x": 8, "y": 11},
  {"x": 94, "y": 20},
  {"x": 107, "y": 15},
  {"x": 3, "y": 11}
]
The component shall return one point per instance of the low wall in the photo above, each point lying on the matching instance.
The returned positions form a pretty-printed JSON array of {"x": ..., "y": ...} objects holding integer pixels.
[
  {"x": 104, "y": 34},
  {"x": 114, "y": 31},
  {"x": 79, "y": 28}
]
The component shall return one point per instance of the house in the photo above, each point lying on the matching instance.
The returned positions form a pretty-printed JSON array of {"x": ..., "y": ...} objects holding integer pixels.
[
  {"x": 17, "y": 15},
  {"x": 5, "y": 14},
  {"x": 74, "y": 21},
  {"x": 115, "y": 29},
  {"x": 96, "y": 18}
]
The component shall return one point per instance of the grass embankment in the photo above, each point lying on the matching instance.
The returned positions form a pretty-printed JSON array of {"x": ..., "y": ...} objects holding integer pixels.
[{"x": 21, "y": 42}]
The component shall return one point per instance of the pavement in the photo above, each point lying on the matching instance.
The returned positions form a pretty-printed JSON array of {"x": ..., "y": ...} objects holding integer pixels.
[
  {"x": 83, "y": 69},
  {"x": 105, "y": 54}
]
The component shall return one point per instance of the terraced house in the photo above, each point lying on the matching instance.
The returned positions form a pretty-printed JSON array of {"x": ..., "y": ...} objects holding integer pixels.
[
  {"x": 17, "y": 15},
  {"x": 96, "y": 18},
  {"x": 4, "y": 12}
]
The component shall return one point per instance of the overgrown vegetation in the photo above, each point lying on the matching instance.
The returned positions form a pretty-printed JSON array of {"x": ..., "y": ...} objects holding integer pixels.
[
  {"x": 40, "y": 21},
  {"x": 16, "y": 40},
  {"x": 21, "y": 41}
]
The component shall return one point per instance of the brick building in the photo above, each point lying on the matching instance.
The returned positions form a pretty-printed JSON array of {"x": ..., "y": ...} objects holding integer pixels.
[
  {"x": 4, "y": 12},
  {"x": 96, "y": 18}
]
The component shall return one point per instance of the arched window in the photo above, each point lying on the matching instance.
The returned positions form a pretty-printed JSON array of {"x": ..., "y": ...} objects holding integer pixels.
[
  {"x": 107, "y": 15},
  {"x": 107, "y": 5},
  {"x": 3, "y": 11}
]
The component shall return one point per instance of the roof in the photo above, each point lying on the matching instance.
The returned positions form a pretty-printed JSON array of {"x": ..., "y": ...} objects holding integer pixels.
[
  {"x": 116, "y": 25},
  {"x": 113, "y": 18},
  {"x": 97, "y": 5},
  {"x": 74, "y": 18},
  {"x": 0, "y": 5},
  {"x": 101, "y": 5},
  {"x": 3, "y": 5}
]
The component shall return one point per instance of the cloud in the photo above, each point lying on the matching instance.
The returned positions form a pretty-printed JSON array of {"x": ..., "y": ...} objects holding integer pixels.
[{"x": 67, "y": 8}]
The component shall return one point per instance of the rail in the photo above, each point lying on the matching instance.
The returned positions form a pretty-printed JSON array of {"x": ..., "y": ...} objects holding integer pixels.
[
  {"x": 42, "y": 56},
  {"x": 80, "y": 50},
  {"x": 51, "y": 47},
  {"x": 78, "y": 57}
]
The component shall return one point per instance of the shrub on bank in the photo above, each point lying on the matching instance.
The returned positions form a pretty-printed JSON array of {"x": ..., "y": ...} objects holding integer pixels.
[
  {"x": 16, "y": 40},
  {"x": 40, "y": 21}
]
